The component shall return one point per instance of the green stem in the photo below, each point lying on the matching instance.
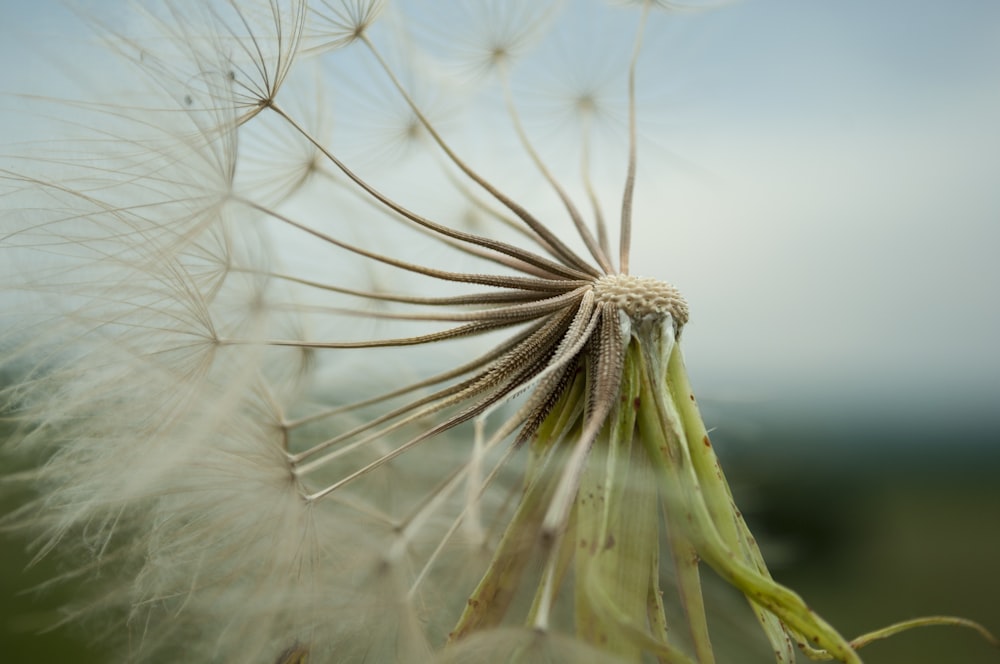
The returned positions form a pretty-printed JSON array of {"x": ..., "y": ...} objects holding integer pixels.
[
  {"x": 665, "y": 440},
  {"x": 719, "y": 499}
]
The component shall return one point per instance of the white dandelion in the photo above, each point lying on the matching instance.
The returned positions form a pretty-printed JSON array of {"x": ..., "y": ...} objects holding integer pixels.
[{"x": 299, "y": 408}]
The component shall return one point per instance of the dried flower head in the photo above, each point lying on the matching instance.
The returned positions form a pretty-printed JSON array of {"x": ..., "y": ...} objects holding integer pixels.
[{"x": 218, "y": 308}]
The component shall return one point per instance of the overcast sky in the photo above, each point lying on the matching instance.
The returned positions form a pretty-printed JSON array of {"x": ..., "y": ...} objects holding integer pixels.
[{"x": 834, "y": 216}]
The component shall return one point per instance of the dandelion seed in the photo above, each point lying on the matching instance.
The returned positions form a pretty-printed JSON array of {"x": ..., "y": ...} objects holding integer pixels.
[{"x": 229, "y": 420}]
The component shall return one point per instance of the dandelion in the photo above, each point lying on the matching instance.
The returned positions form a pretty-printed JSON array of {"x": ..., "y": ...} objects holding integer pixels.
[{"x": 219, "y": 298}]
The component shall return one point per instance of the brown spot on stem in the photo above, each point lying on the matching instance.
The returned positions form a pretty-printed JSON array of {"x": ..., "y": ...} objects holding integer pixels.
[
  {"x": 635, "y": 403},
  {"x": 609, "y": 543},
  {"x": 297, "y": 654},
  {"x": 707, "y": 442}
]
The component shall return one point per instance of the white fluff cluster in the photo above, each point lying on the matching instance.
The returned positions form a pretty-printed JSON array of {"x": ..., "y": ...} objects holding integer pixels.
[{"x": 173, "y": 267}]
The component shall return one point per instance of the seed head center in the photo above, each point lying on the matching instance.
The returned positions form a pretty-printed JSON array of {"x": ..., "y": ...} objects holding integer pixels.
[{"x": 642, "y": 297}]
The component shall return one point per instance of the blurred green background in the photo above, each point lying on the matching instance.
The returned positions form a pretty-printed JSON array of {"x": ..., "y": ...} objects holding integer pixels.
[{"x": 872, "y": 522}]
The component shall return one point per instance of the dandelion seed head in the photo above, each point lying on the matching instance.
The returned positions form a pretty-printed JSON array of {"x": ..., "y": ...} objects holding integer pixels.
[
  {"x": 220, "y": 302},
  {"x": 642, "y": 297}
]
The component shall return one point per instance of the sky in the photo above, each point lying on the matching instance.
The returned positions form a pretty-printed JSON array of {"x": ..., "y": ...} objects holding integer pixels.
[{"x": 832, "y": 211}]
